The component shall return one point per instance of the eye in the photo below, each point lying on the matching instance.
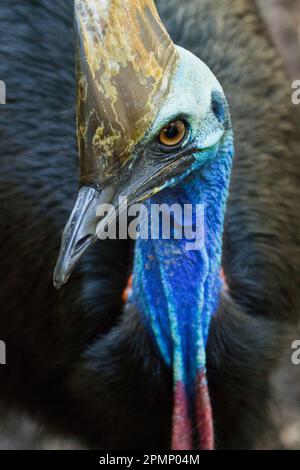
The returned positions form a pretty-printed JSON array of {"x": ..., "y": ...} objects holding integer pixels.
[{"x": 173, "y": 134}]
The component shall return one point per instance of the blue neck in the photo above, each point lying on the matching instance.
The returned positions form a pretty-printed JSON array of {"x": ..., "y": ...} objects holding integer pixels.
[{"x": 176, "y": 289}]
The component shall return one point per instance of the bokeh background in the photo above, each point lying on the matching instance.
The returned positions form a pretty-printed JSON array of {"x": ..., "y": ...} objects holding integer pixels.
[
  {"x": 20, "y": 432},
  {"x": 283, "y": 20}
]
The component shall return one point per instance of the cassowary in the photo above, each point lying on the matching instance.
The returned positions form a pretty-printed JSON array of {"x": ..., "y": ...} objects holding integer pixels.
[{"x": 185, "y": 363}]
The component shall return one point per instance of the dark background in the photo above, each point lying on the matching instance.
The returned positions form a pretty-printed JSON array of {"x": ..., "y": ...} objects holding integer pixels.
[{"x": 19, "y": 432}]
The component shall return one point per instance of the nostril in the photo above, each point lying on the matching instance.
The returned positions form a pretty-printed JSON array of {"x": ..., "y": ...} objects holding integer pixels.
[{"x": 82, "y": 243}]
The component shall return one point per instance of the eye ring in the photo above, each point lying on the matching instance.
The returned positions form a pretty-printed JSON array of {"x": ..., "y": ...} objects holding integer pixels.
[{"x": 173, "y": 134}]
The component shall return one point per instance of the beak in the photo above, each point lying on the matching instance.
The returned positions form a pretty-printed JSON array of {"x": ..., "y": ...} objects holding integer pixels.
[
  {"x": 117, "y": 100},
  {"x": 86, "y": 225},
  {"x": 80, "y": 231}
]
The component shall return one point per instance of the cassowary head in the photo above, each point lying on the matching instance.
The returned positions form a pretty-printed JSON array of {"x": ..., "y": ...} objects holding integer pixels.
[{"x": 152, "y": 124}]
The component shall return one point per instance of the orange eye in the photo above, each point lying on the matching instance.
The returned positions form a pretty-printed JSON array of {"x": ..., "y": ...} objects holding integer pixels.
[{"x": 173, "y": 134}]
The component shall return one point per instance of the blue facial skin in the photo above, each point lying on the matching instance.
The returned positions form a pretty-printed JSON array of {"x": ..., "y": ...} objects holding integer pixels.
[{"x": 177, "y": 289}]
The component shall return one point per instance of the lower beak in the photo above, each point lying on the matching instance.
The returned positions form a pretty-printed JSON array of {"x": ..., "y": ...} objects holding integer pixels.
[{"x": 80, "y": 231}]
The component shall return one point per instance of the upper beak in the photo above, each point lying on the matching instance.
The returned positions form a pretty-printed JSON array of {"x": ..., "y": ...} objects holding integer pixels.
[
  {"x": 85, "y": 224},
  {"x": 134, "y": 185},
  {"x": 80, "y": 231}
]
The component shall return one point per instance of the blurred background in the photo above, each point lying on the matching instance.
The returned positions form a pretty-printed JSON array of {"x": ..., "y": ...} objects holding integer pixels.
[
  {"x": 19, "y": 432},
  {"x": 283, "y": 20}
]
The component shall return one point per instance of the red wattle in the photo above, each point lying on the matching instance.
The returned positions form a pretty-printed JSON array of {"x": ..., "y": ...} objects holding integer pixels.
[
  {"x": 204, "y": 414},
  {"x": 182, "y": 438}
]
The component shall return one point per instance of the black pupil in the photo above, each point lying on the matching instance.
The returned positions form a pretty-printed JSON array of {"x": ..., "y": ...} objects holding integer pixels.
[{"x": 172, "y": 131}]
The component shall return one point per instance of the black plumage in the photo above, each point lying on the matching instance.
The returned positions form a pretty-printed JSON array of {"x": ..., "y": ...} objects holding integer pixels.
[{"x": 75, "y": 359}]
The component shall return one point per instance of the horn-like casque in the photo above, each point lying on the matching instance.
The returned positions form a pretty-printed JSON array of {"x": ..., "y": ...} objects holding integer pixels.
[{"x": 125, "y": 61}]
